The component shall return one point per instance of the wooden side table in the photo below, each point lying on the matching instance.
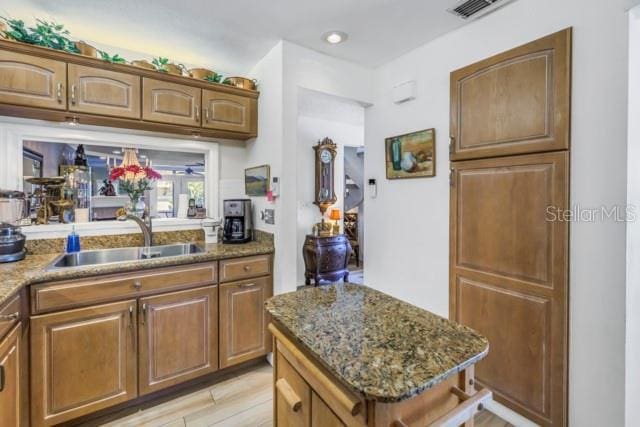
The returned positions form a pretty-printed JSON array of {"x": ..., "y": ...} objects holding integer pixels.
[{"x": 326, "y": 258}]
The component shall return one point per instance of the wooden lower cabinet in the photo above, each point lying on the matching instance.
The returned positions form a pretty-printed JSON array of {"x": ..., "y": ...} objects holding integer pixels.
[
  {"x": 322, "y": 415},
  {"x": 82, "y": 361},
  {"x": 178, "y": 337},
  {"x": 292, "y": 396},
  {"x": 11, "y": 389},
  {"x": 243, "y": 320}
]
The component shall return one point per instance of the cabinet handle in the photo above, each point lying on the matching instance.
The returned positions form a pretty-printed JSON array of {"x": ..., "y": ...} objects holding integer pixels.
[
  {"x": 137, "y": 285},
  {"x": 247, "y": 285},
  {"x": 59, "y": 92},
  {"x": 206, "y": 115},
  {"x": 2, "y": 377},
  {"x": 293, "y": 400},
  {"x": 247, "y": 268},
  {"x": 197, "y": 110},
  {"x": 131, "y": 317},
  {"x": 144, "y": 313},
  {"x": 10, "y": 317},
  {"x": 73, "y": 94}
]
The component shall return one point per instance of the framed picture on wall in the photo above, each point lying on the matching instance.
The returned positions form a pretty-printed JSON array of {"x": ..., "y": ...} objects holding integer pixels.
[
  {"x": 412, "y": 155},
  {"x": 256, "y": 180}
]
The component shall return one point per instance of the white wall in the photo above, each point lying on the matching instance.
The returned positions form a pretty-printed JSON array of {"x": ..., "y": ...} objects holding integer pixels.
[
  {"x": 406, "y": 233},
  {"x": 632, "y": 392}
]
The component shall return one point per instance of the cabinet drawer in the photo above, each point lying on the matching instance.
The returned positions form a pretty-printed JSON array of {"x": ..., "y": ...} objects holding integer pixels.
[
  {"x": 61, "y": 295},
  {"x": 10, "y": 314},
  {"x": 242, "y": 268}
]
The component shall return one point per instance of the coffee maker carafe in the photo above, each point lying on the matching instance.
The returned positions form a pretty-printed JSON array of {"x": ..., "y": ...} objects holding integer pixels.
[{"x": 237, "y": 221}]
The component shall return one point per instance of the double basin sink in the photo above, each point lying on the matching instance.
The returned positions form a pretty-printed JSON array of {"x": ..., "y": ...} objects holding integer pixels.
[{"x": 110, "y": 256}]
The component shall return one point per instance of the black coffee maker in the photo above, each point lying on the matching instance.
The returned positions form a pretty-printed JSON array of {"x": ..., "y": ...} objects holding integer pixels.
[{"x": 237, "y": 221}]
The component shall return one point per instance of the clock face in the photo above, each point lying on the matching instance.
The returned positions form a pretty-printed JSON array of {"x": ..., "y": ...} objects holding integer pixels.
[{"x": 325, "y": 156}]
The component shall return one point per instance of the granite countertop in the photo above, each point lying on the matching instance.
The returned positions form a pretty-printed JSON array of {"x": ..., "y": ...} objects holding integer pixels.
[
  {"x": 381, "y": 347},
  {"x": 15, "y": 275}
]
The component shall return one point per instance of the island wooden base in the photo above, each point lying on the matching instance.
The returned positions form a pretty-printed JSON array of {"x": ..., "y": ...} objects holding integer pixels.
[{"x": 306, "y": 394}]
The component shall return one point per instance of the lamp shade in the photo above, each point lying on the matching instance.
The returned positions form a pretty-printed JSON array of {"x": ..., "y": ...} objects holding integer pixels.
[{"x": 335, "y": 214}]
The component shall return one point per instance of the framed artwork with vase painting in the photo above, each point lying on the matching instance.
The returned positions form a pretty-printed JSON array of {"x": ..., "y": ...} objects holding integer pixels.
[{"x": 412, "y": 155}]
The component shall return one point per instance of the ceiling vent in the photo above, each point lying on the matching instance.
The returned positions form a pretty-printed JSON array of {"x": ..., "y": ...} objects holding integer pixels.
[{"x": 473, "y": 9}]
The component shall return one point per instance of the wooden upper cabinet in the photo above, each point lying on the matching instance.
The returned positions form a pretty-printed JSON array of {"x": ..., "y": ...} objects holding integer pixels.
[
  {"x": 225, "y": 111},
  {"x": 171, "y": 103},
  {"x": 32, "y": 81},
  {"x": 82, "y": 361},
  {"x": 178, "y": 337},
  {"x": 108, "y": 93},
  {"x": 243, "y": 320},
  {"x": 11, "y": 388},
  {"x": 515, "y": 102}
]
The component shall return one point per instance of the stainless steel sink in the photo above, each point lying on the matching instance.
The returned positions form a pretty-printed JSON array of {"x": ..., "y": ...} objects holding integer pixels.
[{"x": 109, "y": 256}]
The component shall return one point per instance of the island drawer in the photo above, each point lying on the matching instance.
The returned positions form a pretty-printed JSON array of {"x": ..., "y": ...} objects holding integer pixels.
[
  {"x": 244, "y": 268},
  {"x": 10, "y": 314},
  {"x": 76, "y": 293}
]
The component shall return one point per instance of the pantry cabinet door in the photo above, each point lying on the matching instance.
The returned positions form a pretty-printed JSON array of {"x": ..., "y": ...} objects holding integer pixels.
[
  {"x": 228, "y": 112},
  {"x": 82, "y": 361},
  {"x": 32, "y": 81},
  {"x": 509, "y": 276},
  {"x": 178, "y": 337},
  {"x": 107, "y": 93},
  {"x": 515, "y": 102},
  {"x": 171, "y": 103}
]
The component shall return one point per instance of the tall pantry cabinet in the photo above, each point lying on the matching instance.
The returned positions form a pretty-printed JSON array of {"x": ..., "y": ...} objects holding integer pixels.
[{"x": 510, "y": 132}]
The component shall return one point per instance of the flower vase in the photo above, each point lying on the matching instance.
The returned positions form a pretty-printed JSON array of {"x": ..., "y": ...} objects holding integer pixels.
[{"x": 135, "y": 207}]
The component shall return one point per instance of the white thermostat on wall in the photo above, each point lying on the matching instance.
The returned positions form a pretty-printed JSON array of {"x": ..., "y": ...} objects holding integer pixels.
[{"x": 404, "y": 92}]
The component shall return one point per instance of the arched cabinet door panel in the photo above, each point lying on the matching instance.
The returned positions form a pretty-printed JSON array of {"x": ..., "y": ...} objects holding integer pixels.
[
  {"x": 108, "y": 93},
  {"x": 228, "y": 112},
  {"x": 171, "y": 103},
  {"x": 32, "y": 81},
  {"x": 513, "y": 103}
]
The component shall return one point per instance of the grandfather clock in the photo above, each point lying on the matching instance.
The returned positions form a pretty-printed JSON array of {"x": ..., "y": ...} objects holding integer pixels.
[{"x": 325, "y": 256}]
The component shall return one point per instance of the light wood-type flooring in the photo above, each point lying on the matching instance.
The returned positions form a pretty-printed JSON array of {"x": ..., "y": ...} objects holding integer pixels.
[{"x": 244, "y": 399}]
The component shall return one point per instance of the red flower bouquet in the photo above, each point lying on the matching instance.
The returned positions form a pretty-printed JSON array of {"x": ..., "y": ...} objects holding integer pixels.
[{"x": 134, "y": 180}]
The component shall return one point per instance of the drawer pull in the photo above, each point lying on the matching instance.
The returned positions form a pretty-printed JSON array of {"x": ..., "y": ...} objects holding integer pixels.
[
  {"x": 247, "y": 268},
  {"x": 10, "y": 317},
  {"x": 247, "y": 285},
  {"x": 294, "y": 402},
  {"x": 470, "y": 405},
  {"x": 1, "y": 377},
  {"x": 137, "y": 284}
]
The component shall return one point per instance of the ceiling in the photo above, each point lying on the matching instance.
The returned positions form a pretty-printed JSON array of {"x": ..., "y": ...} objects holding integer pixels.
[{"x": 234, "y": 35}]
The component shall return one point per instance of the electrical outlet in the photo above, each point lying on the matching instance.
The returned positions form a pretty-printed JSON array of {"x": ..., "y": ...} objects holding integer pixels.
[{"x": 269, "y": 216}]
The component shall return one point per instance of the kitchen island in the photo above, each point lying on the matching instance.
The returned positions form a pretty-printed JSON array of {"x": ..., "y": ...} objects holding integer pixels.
[{"x": 346, "y": 354}]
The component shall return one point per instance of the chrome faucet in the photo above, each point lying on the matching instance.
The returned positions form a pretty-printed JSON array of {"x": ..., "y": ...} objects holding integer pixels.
[{"x": 144, "y": 224}]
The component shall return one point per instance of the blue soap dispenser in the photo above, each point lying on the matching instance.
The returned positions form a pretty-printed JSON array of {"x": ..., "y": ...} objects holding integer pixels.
[{"x": 73, "y": 241}]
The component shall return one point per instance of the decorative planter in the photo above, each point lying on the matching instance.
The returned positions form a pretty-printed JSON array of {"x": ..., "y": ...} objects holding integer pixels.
[
  {"x": 241, "y": 82},
  {"x": 141, "y": 63},
  {"x": 86, "y": 49},
  {"x": 201, "y": 73}
]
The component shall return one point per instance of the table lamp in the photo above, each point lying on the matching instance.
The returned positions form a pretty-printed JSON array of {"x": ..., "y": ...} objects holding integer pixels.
[{"x": 335, "y": 215}]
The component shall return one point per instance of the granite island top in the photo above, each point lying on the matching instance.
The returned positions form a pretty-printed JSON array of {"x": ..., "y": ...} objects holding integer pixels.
[
  {"x": 381, "y": 347},
  {"x": 16, "y": 275}
]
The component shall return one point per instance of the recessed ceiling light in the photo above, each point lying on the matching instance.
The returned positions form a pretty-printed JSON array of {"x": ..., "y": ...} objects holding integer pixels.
[
  {"x": 334, "y": 37},
  {"x": 116, "y": 152}
]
